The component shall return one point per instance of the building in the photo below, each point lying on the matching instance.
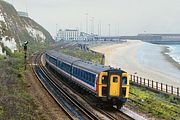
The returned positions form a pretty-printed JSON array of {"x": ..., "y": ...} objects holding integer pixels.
[
  {"x": 68, "y": 34},
  {"x": 23, "y": 14}
]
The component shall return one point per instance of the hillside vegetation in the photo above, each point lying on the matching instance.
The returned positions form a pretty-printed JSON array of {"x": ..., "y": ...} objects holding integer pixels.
[
  {"x": 15, "y": 29},
  {"x": 16, "y": 101}
]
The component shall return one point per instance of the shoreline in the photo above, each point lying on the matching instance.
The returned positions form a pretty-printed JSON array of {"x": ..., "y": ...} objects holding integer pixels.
[
  {"x": 143, "y": 59},
  {"x": 165, "y": 52}
]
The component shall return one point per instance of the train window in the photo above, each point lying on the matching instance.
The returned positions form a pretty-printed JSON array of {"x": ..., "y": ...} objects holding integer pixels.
[
  {"x": 60, "y": 64},
  {"x": 92, "y": 78},
  {"x": 68, "y": 68},
  {"x": 88, "y": 76},
  {"x": 82, "y": 74},
  {"x": 53, "y": 60},
  {"x": 75, "y": 71},
  {"x": 85, "y": 76},
  {"x": 115, "y": 79},
  {"x": 47, "y": 56},
  {"x": 104, "y": 79},
  {"x": 124, "y": 80},
  {"x": 78, "y": 73}
]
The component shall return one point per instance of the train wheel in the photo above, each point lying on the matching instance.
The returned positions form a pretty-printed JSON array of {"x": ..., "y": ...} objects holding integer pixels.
[{"x": 119, "y": 106}]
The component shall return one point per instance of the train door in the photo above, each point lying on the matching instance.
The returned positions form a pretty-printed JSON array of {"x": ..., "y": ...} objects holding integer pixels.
[{"x": 114, "y": 89}]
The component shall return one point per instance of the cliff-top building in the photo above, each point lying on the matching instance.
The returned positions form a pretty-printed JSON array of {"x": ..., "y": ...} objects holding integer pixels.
[{"x": 23, "y": 14}]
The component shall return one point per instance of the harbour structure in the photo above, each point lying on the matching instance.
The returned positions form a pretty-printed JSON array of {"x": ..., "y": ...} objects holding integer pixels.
[{"x": 164, "y": 36}]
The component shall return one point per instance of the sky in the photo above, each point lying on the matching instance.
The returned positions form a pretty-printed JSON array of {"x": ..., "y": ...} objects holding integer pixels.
[{"x": 116, "y": 17}]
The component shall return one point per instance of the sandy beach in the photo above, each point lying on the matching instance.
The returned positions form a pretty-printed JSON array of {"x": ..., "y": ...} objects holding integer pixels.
[{"x": 143, "y": 59}]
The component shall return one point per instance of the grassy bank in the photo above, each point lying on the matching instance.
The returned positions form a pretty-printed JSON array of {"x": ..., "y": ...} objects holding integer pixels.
[
  {"x": 85, "y": 55},
  {"x": 15, "y": 101},
  {"x": 154, "y": 104}
]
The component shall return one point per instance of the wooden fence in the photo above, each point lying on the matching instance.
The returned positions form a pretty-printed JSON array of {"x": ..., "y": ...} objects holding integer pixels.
[{"x": 155, "y": 85}]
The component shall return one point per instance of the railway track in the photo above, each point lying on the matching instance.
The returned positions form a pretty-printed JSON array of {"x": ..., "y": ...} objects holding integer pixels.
[
  {"x": 115, "y": 114},
  {"x": 72, "y": 107}
]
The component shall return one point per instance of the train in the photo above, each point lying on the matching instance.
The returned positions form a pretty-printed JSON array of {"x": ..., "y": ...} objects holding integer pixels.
[{"x": 107, "y": 84}]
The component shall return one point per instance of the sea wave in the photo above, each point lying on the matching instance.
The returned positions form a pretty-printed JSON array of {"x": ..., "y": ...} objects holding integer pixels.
[{"x": 174, "y": 52}]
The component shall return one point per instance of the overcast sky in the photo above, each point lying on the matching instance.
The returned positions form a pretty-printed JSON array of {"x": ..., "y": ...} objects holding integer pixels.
[{"x": 132, "y": 16}]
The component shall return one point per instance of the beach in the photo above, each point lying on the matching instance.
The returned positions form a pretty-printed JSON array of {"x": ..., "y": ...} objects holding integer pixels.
[{"x": 142, "y": 59}]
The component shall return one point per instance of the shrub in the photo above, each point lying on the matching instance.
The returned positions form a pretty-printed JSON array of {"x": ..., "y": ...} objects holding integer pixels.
[{"x": 1, "y": 111}]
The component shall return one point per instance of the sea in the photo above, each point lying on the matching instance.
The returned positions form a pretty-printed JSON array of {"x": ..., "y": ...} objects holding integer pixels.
[
  {"x": 149, "y": 55},
  {"x": 174, "y": 52}
]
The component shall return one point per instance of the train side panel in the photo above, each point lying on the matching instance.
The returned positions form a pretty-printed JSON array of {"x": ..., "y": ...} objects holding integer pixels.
[{"x": 83, "y": 78}]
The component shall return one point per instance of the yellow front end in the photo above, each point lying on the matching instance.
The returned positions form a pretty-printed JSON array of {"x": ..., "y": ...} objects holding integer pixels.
[{"x": 111, "y": 86}]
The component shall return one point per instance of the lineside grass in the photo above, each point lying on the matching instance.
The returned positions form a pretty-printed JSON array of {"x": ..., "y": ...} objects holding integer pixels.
[
  {"x": 15, "y": 101},
  {"x": 1, "y": 57},
  {"x": 157, "y": 104},
  {"x": 85, "y": 55}
]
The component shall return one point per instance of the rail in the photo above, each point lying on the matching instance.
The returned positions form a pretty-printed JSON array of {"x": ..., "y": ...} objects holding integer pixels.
[{"x": 34, "y": 69}]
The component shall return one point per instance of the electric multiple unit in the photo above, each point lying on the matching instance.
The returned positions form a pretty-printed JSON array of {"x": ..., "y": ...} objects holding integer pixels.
[{"x": 108, "y": 84}]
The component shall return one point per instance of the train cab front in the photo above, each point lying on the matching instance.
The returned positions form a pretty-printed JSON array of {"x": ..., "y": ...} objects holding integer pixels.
[{"x": 114, "y": 87}]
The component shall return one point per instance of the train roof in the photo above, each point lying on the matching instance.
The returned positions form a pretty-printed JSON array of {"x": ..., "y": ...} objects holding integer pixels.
[{"x": 97, "y": 68}]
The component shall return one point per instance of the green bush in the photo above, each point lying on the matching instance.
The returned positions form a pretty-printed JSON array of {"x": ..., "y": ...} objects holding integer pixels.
[
  {"x": 8, "y": 51},
  {"x": 2, "y": 57},
  {"x": 1, "y": 110}
]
